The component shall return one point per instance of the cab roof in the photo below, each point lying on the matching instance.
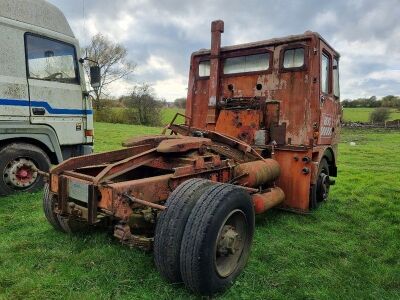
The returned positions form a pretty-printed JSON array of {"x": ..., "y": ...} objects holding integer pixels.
[
  {"x": 36, "y": 12},
  {"x": 270, "y": 42}
]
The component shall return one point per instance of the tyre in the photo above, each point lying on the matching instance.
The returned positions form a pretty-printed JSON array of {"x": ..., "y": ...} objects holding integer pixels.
[
  {"x": 171, "y": 224},
  {"x": 17, "y": 168},
  {"x": 60, "y": 223},
  {"x": 71, "y": 225},
  {"x": 217, "y": 239},
  {"x": 320, "y": 191},
  {"x": 49, "y": 203}
]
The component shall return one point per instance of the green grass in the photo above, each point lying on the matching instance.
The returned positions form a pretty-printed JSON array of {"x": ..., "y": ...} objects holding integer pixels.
[
  {"x": 167, "y": 114},
  {"x": 348, "y": 249},
  {"x": 115, "y": 115},
  {"x": 361, "y": 114},
  {"x": 110, "y": 136}
]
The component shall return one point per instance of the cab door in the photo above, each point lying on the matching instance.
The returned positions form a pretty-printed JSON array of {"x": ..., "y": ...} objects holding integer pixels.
[
  {"x": 329, "y": 95},
  {"x": 14, "y": 96},
  {"x": 54, "y": 87}
]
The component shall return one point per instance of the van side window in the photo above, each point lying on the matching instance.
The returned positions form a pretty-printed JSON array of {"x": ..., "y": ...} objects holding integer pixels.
[
  {"x": 324, "y": 73},
  {"x": 335, "y": 65},
  {"x": 293, "y": 58},
  {"x": 204, "y": 68},
  {"x": 248, "y": 63},
  {"x": 51, "y": 60}
]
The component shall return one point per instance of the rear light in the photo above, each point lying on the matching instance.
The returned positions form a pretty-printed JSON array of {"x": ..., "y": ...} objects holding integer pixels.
[{"x": 88, "y": 132}]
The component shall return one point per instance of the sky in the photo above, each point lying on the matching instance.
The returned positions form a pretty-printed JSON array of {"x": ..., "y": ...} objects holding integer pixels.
[{"x": 161, "y": 35}]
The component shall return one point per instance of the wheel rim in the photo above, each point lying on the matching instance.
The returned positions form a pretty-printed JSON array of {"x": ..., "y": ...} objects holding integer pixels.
[
  {"x": 323, "y": 186},
  {"x": 20, "y": 173},
  {"x": 231, "y": 241}
]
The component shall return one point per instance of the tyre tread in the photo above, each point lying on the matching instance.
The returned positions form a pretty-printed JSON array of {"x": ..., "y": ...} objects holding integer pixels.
[
  {"x": 170, "y": 227},
  {"x": 196, "y": 229},
  {"x": 48, "y": 208}
]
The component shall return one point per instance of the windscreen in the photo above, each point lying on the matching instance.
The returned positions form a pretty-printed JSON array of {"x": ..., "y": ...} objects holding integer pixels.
[{"x": 51, "y": 60}]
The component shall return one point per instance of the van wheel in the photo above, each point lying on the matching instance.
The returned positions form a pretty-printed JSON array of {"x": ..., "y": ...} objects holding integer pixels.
[
  {"x": 320, "y": 190},
  {"x": 171, "y": 224},
  {"x": 217, "y": 239},
  {"x": 18, "y": 165}
]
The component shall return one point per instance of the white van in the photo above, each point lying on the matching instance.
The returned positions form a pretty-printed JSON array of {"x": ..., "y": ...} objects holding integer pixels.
[{"x": 46, "y": 115}]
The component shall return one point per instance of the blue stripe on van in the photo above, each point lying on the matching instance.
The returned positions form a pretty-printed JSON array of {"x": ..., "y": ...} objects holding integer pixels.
[{"x": 45, "y": 105}]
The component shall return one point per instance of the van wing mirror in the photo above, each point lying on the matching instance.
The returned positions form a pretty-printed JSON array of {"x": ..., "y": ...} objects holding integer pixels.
[{"x": 95, "y": 77}]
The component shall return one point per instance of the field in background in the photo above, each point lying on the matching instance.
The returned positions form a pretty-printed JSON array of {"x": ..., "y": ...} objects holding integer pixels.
[
  {"x": 167, "y": 114},
  {"x": 118, "y": 115},
  {"x": 348, "y": 249},
  {"x": 361, "y": 114},
  {"x": 110, "y": 136}
]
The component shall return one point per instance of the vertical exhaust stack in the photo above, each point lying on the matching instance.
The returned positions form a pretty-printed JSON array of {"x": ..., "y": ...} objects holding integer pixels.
[{"x": 217, "y": 27}]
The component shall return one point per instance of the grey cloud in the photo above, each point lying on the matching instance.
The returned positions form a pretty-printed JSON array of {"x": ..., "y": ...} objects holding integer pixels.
[{"x": 173, "y": 29}]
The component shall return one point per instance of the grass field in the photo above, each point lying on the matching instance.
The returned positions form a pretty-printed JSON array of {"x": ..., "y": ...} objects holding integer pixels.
[
  {"x": 115, "y": 115},
  {"x": 361, "y": 114},
  {"x": 348, "y": 249},
  {"x": 167, "y": 114}
]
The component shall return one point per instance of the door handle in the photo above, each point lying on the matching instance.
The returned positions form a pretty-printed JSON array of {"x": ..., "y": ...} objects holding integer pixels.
[{"x": 38, "y": 111}]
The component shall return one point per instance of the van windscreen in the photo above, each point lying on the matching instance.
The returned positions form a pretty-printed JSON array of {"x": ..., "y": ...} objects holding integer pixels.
[{"x": 51, "y": 60}]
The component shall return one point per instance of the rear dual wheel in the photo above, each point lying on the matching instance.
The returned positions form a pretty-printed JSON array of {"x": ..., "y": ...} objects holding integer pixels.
[
  {"x": 217, "y": 239},
  {"x": 171, "y": 225},
  {"x": 214, "y": 241}
]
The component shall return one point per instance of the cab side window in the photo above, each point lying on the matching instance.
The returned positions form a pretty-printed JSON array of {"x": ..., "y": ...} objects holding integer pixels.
[
  {"x": 325, "y": 73},
  {"x": 336, "y": 89},
  {"x": 293, "y": 58},
  {"x": 51, "y": 60},
  {"x": 204, "y": 68}
]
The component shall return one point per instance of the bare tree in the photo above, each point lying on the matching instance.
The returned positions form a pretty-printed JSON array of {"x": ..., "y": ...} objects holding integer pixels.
[
  {"x": 145, "y": 106},
  {"x": 112, "y": 60}
]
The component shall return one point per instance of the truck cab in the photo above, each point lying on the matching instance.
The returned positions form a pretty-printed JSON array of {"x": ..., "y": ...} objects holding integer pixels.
[
  {"x": 282, "y": 97},
  {"x": 45, "y": 113}
]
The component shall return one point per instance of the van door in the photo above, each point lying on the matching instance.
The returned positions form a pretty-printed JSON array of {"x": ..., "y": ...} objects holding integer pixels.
[{"x": 54, "y": 87}]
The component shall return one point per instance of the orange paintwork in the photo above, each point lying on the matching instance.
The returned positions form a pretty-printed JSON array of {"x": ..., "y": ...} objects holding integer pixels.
[
  {"x": 293, "y": 181},
  {"x": 263, "y": 202},
  {"x": 241, "y": 125},
  {"x": 292, "y": 112},
  {"x": 257, "y": 173},
  {"x": 54, "y": 183}
]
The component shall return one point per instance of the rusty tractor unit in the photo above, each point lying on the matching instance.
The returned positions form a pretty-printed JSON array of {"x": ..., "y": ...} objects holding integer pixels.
[{"x": 261, "y": 131}]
